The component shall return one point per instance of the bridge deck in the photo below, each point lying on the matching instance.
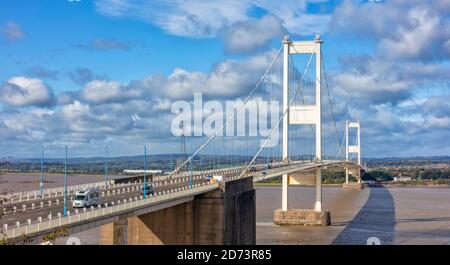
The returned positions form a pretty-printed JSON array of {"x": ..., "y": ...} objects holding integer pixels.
[{"x": 177, "y": 188}]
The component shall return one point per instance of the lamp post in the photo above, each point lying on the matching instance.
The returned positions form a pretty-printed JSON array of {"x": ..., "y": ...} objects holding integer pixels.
[
  {"x": 106, "y": 167},
  {"x": 41, "y": 181},
  {"x": 65, "y": 184},
  {"x": 145, "y": 172},
  {"x": 171, "y": 159},
  {"x": 190, "y": 175},
  {"x": 150, "y": 184}
]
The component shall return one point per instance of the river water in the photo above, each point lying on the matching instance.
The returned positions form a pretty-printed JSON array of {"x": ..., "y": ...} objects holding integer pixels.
[{"x": 393, "y": 215}]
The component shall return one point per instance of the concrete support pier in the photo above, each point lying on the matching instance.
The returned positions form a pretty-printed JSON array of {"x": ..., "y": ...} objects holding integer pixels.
[
  {"x": 302, "y": 217},
  {"x": 226, "y": 216},
  {"x": 114, "y": 233},
  {"x": 314, "y": 216}
]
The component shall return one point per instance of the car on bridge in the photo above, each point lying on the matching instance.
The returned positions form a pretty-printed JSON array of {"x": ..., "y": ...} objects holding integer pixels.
[
  {"x": 86, "y": 198},
  {"x": 149, "y": 190}
]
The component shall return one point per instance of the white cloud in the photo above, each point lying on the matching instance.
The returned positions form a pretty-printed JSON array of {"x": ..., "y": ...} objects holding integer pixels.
[
  {"x": 403, "y": 30},
  {"x": 99, "y": 91},
  {"x": 295, "y": 17},
  {"x": 438, "y": 106},
  {"x": 413, "y": 41},
  {"x": 447, "y": 46},
  {"x": 253, "y": 34},
  {"x": 370, "y": 88},
  {"x": 228, "y": 79},
  {"x": 372, "y": 82},
  {"x": 438, "y": 122},
  {"x": 199, "y": 18},
  {"x": 75, "y": 111},
  {"x": 181, "y": 18},
  {"x": 124, "y": 125},
  {"x": 21, "y": 91},
  {"x": 124, "y": 114}
]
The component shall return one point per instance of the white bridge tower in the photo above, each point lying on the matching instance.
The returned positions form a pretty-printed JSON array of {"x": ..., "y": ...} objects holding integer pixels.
[
  {"x": 353, "y": 148},
  {"x": 302, "y": 114}
]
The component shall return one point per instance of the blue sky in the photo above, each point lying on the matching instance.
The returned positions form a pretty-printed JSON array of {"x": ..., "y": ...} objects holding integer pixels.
[
  {"x": 388, "y": 64},
  {"x": 56, "y": 31}
]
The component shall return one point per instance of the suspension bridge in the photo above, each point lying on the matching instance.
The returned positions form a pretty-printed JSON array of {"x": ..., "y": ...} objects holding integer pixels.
[{"x": 299, "y": 140}]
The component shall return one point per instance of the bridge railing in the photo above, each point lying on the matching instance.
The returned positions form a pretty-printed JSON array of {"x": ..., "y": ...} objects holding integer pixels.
[
  {"x": 54, "y": 192},
  {"x": 27, "y": 195},
  {"x": 291, "y": 167},
  {"x": 72, "y": 219},
  {"x": 51, "y": 192},
  {"x": 31, "y": 196}
]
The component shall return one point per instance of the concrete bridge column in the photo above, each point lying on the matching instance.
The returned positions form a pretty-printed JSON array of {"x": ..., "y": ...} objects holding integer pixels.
[
  {"x": 318, "y": 205},
  {"x": 284, "y": 192},
  {"x": 352, "y": 185},
  {"x": 225, "y": 216},
  {"x": 172, "y": 225},
  {"x": 114, "y": 233},
  {"x": 315, "y": 216},
  {"x": 346, "y": 174},
  {"x": 240, "y": 212}
]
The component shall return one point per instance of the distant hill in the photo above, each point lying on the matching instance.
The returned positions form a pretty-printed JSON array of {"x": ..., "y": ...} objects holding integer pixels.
[
  {"x": 412, "y": 158},
  {"x": 168, "y": 157},
  {"x": 93, "y": 160},
  {"x": 96, "y": 159}
]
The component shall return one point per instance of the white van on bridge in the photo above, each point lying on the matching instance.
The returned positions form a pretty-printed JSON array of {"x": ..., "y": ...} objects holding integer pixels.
[{"x": 86, "y": 198}]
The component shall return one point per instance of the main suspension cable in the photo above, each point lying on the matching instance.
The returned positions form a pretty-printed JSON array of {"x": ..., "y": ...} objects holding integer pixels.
[
  {"x": 229, "y": 119},
  {"x": 282, "y": 117}
]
